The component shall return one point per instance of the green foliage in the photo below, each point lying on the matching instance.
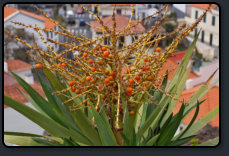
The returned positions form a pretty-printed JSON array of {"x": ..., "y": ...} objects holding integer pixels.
[{"x": 152, "y": 125}]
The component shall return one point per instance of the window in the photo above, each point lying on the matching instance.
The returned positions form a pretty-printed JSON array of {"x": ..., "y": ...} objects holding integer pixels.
[
  {"x": 204, "y": 18},
  {"x": 119, "y": 11},
  {"x": 211, "y": 39},
  {"x": 136, "y": 37},
  {"x": 51, "y": 34},
  {"x": 122, "y": 40},
  {"x": 202, "y": 36},
  {"x": 196, "y": 15},
  {"x": 47, "y": 34},
  {"x": 213, "y": 20},
  {"x": 107, "y": 41},
  {"x": 195, "y": 31}
]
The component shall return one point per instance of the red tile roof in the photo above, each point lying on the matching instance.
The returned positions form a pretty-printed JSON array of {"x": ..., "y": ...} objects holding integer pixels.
[
  {"x": 212, "y": 101},
  {"x": 8, "y": 11},
  {"x": 14, "y": 93},
  {"x": 48, "y": 24},
  {"x": 11, "y": 87},
  {"x": 203, "y": 6},
  {"x": 121, "y": 23},
  {"x": 17, "y": 65},
  {"x": 172, "y": 66},
  {"x": 178, "y": 56}
]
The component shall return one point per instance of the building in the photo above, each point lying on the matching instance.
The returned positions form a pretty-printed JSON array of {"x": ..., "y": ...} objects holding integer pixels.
[
  {"x": 14, "y": 121},
  {"x": 209, "y": 36},
  {"x": 121, "y": 23},
  {"x": 13, "y": 14}
]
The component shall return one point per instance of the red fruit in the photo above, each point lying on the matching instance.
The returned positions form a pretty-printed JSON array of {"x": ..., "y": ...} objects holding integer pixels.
[
  {"x": 111, "y": 78},
  {"x": 112, "y": 73},
  {"x": 100, "y": 62},
  {"x": 38, "y": 66},
  {"x": 78, "y": 91},
  {"x": 71, "y": 83},
  {"x": 84, "y": 101},
  {"x": 63, "y": 65},
  {"x": 129, "y": 89},
  {"x": 138, "y": 78},
  {"x": 104, "y": 49},
  {"x": 59, "y": 65},
  {"x": 85, "y": 89},
  {"x": 131, "y": 112},
  {"x": 132, "y": 106},
  {"x": 88, "y": 78},
  {"x": 131, "y": 81},
  {"x": 76, "y": 63},
  {"x": 146, "y": 60},
  {"x": 149, "y": 78},
  {"x": 82, "y": 85},
  {"x": 158, "y": 49},
  {"x": 73, "y": 89},
  {"x": 103, "y": 97},
  {"x": 106, "y": 53},
  {"x": 146, "y": 83},
  {"x": 129, "y": 93},
  {"x": 90, "y": 61},
  {"x": 93, "y": 69},
  {"x": 85, "y": 54},
  {"x": 107, "y": 80},
  {"x": 100, "y": 86},
  {"x": 58, "y": 56}
]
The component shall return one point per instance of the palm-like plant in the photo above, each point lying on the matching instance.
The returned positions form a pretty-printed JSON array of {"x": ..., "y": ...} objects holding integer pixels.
[{"x": 99, "y": 99}]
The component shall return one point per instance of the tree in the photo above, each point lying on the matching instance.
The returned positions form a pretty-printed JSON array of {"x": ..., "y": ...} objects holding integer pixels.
[{"x": 15, "y": 49}]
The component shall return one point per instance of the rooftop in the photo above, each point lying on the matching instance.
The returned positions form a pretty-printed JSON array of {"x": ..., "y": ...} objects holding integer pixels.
[
  {"x": 212, "y": 101},
  {"x": 121, "y": 23},
  {"x": 10, "y": 11},
  {"x": 203, "y": 6},
  {"x": 17, "y": 65}
]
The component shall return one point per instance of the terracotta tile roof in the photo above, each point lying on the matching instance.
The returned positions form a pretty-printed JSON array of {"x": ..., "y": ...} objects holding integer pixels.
[
  {"x": 17, "y": 65},
  {"x": 212, "y": 101},
  {"x": 172, "y": 67},
  {"x": 8, "y": 11},
  {"x": 121, "y": 23},
  {"x": 14, "y": 93},
  {"x": 178, "y": 56},
  {"x": 48, "y": 24},
  {"x": 8, "y": 79},
  {"x": 203, "y": 6}
]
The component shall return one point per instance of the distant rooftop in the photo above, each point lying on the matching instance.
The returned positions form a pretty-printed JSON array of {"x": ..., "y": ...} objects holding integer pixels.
[{"x": 17, "y": 65}]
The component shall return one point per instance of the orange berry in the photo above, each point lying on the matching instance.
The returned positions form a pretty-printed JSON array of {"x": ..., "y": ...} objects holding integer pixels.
[
  {"x": 73, "y": 89},
  {"x": 38, "y": 66},
  {"x": 110, "y": 56},
  {"x": 111, "y": 78},
  {"x": 85, "y": 54},
  {"x": 146, "y": 83},
  {"x": 149, "y": 78},
  {"x": 88, "y": 103},
  {"x": 131, "y": 112},
  {"x": 106, "y": 53},
  {"x": 140, "y": 74},
  {"x": 129, "y": 89},
  {"x": 103, "y": 48},
  {"x": 138, "y": 78},
  {"x": 100, "y": 86},
  {"x": 101, "y": 79},
  {"x": 76, "y": 63},
  {"x": 100, "y": 62},
  {"x": 85, "y": 89},
  {"x": 71, "y": 83},
  {"x": 158, "y": 49},
  {"x": 112, "y": 73},
  {"x": 63, "y": 65},
  {"x": 84, "y": 101},
  {"x": 146, "y": 60},
  {"x": 88, "y": 78},
  {"x": 90, "y": 61},
  {"x": 129, "y": 93},
  {"x": 147, "y": 67},
  {"x": 107, "y": 80},
  {"x": 103, "y": 97},
  {"x": 58, "y": 56},
  {"x": 93, "y": 81},
  {"x": 132, "y": 106},
  {"x": 77, "y": 91},
  {"x": 131, "y": 81},
  {"x": 93, "y": 69},
  {"x": 82, "y": 85},
  {"x": 59, "y": 65}
]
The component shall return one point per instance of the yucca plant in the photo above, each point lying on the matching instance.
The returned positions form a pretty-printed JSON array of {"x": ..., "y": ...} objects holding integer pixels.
[{"x": 104, "y": 98}]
